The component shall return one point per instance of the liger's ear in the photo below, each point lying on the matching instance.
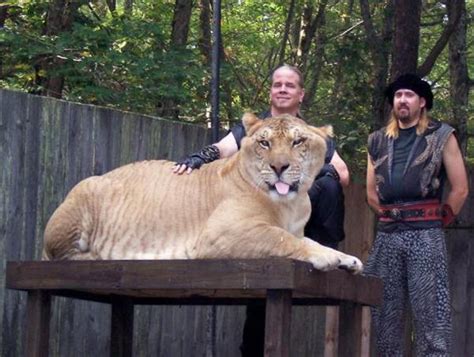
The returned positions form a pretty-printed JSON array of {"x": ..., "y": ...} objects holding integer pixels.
[
  {"x": 251, "y": 123},
  {"x": 324, "y": 131}
]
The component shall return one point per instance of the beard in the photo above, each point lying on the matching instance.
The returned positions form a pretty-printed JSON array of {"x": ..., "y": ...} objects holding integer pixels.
[{"x": 404, "y": 115}]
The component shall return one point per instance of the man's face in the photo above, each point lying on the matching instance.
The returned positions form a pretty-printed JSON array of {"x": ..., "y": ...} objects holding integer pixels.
[
  {"x": 407, "y": 106},
  {"x": 286, "y": 93}
]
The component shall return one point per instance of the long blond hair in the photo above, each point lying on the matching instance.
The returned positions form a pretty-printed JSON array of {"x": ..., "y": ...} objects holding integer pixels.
[{"x": 392, "y": 126}]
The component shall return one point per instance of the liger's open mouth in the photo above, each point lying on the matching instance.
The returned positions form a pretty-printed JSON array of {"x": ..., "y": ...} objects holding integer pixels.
[{"x": 283, "y": 188}]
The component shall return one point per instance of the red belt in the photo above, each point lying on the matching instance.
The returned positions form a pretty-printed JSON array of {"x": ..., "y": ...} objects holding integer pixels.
[{"x": 428, "y": 210}]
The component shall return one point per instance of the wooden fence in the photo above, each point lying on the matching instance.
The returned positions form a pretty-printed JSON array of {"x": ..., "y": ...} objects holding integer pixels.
[{"x": 47, "y": 146}]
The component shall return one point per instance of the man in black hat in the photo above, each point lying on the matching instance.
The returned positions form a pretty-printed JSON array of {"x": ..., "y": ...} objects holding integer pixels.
[{"x": 408, "y": 163}]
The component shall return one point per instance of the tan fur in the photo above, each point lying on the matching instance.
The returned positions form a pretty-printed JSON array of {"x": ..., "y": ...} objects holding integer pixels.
[{"x": 226, "y": 209}]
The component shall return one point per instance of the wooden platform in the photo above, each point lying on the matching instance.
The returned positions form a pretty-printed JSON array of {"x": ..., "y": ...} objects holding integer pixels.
[{"x": 278, "y": 282}]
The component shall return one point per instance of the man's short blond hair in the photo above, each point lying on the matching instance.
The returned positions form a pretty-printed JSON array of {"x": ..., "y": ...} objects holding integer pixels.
[{"x": 293, "y": 69}]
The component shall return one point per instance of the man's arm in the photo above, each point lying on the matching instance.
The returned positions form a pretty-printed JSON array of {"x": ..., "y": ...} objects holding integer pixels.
[
  {"x": 341, "y": 169},
  {"x": 372, "y": 197},
  {"x": 226, "y": 146},
  {"x": 457, "y": 176}
]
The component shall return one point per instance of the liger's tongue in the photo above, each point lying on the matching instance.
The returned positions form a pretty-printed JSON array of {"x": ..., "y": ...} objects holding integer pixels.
[{"x": 282, "y": 188}]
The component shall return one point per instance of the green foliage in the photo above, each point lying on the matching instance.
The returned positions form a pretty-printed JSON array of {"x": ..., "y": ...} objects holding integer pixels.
[
  {"x": 126, "y": 61},
  {"x": 118, "y": 61}
]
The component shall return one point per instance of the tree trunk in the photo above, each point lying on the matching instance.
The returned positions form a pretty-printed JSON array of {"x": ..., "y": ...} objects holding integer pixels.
[
  {"x": 341, "y": 86},
  {"x": 205, "y": 30},
  {"x": 169, "y": 106},
  {"x": 3, "y": 17},
  {"x": 3, "y": 14},
  {"x": 128, "y": 7},
  {"x": 406, "y": 37},
  {"x": 312, "y": 81},
  {"x": 378, "y": 45},
  {"x": 180, "y": 25},
  {"x": 459, "y": 77},
  {"x": 286, "y": 32},
  {"x": 59, "y": 18},
  {"x": 310, "y": 26},
  {"x": 111, "y": 4}
]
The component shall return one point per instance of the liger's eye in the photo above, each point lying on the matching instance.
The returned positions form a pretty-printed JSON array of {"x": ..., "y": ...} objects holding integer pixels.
[
  {"x": 264, "y": 144},
  {"x": 298, "y": 142}
]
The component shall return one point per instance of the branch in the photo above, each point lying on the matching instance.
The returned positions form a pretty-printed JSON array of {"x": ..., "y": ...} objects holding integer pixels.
[
  {"x": 345, "y": 32},
  {"x": 289, "y": 19},
  {"x": 373, "y": 38},
  {"x": 430, "y": 60},
  {"x": 98, "y": 18}
]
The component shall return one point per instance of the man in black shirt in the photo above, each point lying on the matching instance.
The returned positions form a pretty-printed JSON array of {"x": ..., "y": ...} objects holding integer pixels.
[
  {"x": 326, "y": 223},
  {"x": 408, "y": 162}
]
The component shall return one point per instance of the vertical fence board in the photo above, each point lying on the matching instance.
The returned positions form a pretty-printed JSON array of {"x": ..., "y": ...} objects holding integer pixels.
[
  {"x": 308, "y": 326},
  {"x": 458, "y": 250},
  {"x": 4, "y": 197},
  {"x": 229, "y": 327},
  {"x": 103, "y": 141},
  {"x": 13, "y": 109}
]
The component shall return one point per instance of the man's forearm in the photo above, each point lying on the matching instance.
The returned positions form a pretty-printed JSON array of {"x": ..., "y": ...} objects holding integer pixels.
[
  {"x": 456, "y": 199},
  {"x": 374, "y": 204}
]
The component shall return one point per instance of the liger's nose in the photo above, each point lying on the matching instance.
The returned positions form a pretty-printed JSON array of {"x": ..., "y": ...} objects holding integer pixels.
[{"x": 279, "y": 168}]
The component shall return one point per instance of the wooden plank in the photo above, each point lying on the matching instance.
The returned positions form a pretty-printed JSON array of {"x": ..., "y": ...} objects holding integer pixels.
[
  {"x": 246, "y": 275},
  {"x": 154, "y": 142},
  {"x": 13, "y": 220},
  {"x": 37, "y": 329},
  {"x": 151, "y": 274},
  {"x": 229, "y": 322},
  {"x": 365, "y": 347},
  {"x": 470, "y": 295},
  {"x": 121, "y": 336},
  {"x": 359, "y": 222},
  {"x": 32, "y": 246},
  {"x": 340, "y": 284},
  {"x": 4, "y": 197},
  {"x": 277, "y": 323},
  {"x": 307, "y": 320},
  {"x": 332, "y": 331},
  {"x": 350, "y": 330},
  {"x": 458, "y": 246},
  {"x": 166, "y": 139}
]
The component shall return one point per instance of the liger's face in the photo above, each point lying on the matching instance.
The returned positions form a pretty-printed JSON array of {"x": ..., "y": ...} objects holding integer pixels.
[
  {"x": 407, "y": 106},
  {"x": 286, "y": 93}
]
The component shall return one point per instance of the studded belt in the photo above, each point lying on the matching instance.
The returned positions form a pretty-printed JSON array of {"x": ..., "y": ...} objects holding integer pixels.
[{"x": 428, "y": 210}]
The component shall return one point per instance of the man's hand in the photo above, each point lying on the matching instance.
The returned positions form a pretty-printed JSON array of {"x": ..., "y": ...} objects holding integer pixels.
[
  {"x": 448, "y": 215},
  {"x": 181, "y": 168},
  {"x": 195, "y": 161}
]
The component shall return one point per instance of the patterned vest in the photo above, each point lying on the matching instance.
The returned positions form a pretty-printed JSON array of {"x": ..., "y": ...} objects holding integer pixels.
[{"x": 423, "y": 174}]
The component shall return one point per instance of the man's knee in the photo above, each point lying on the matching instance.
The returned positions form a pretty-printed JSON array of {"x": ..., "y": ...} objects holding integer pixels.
[{"x": 326, "y": 223}]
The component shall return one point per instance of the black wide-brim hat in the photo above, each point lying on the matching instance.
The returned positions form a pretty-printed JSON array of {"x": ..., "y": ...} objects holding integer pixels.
[{"x": 414, "y": 83}]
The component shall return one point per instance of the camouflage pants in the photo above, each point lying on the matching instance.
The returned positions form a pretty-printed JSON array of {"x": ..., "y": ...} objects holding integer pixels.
[{"x": 413, "y": 267}]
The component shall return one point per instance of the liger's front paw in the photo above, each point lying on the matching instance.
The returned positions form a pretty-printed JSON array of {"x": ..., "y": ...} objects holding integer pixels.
[{"x": 351, "y": 264}]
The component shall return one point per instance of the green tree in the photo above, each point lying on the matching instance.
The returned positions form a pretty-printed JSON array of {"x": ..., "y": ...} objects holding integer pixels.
[{"x": 153, "y": 57}]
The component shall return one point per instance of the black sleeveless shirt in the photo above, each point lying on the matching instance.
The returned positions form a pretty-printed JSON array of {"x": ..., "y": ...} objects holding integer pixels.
[{"x": 409, "y": 168}]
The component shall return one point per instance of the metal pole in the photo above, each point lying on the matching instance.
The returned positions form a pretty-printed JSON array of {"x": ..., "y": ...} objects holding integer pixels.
[
  {"x": 215, "y": 64},
  {"x": 215, "y": 81}
]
